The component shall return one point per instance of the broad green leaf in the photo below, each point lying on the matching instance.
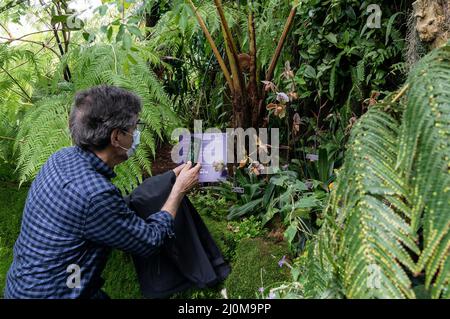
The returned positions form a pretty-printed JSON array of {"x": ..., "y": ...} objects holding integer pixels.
[
  {"x": 331, "y": 37},
  {"x": 134, "y": 30}
]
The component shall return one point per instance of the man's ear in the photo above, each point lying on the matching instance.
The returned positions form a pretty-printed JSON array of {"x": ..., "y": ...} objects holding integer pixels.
[{"x": 115, "y": 137}]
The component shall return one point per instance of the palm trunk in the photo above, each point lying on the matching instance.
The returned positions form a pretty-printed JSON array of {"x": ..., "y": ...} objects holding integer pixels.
[
  {"x": 241, "y": 114},
  {"x": 248, "y": 102}
]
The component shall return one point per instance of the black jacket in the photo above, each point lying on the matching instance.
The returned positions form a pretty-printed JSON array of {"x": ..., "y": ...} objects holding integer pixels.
[{"x": 190, "y": 259}]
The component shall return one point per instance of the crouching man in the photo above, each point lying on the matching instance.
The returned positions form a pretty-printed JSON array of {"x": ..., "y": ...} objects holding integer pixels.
[{"x": 74, "y": 215}]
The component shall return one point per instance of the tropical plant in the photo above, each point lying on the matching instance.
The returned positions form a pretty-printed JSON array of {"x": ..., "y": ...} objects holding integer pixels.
[
  {"x": 190, "y": 72},
  {"x": 336, "y": 44},
  {"x": 248, "y": 96},
  {"x": 312, "y": 277},
  {"x": 387, "y": 226},
  {"x": 298, "y": 204},
  {"x": 44, "y": 128},
  {"x": 248, "y": 202},
  {"x": 18, "y": 72},
  {"x": 340, "y": 67}
]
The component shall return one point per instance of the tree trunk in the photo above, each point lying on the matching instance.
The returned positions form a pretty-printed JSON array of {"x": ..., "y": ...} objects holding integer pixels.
[{"x": 240, "y": 118}]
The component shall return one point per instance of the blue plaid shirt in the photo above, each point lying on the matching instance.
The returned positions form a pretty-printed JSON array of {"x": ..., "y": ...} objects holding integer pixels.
[{"x": 73, "y": 216}]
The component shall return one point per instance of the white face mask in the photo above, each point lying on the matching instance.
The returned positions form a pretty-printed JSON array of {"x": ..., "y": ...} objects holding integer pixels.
[{"x": 136, "y": 141}]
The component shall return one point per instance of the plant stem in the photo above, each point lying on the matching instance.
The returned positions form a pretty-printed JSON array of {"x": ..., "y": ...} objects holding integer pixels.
[
  {"x": 10, "y": 139},
  {"x": 276, "y": 56},
  {"x": 401, "y": 93},
  {"x": 16, "y": 82},
  {"x": 6, "y": 30},
  {"x": 253, "y": 91},
  {"x": 202, "y": 24},
  {"x": 33, "y": 42}
]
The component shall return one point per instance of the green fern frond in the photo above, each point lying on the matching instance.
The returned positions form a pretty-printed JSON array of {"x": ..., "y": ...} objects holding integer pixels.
[
  {"x": 376, "y": 239},
  {"x": 393, "y": 190},
  {"x": 44, "y": 129},
  {"x": 424, "y": 159},
  {"x": 318, "y": 277}
]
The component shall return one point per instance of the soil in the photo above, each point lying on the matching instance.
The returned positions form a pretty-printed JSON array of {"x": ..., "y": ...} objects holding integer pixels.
[
  {"x": 277, "y": 230},
  {"x": 163, "y": 160}
]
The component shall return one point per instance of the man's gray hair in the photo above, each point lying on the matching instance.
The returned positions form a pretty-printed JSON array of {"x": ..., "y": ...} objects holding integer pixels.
[{"x": 98, "y": 111}]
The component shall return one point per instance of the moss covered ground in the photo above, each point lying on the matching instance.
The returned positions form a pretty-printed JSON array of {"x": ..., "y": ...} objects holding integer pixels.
[
  {"x": 256, "y": 266},
  {"x": 12, "y": 201}
]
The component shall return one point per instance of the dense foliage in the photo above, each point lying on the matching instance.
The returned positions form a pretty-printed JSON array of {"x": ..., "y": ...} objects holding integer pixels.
[
  {"x": 362, "y": 196},
  {"x": 387, "y": 220}
]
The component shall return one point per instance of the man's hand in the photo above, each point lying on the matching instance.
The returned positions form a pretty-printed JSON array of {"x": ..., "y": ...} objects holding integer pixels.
[
  {"x": 178, "y": 169},
  {"x": 187, "y": 178}
]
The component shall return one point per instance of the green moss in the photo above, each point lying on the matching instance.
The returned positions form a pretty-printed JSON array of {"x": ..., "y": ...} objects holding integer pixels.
[
  {"x": 120, "y": 277},
  {"x": 223, "y": 238},
  {"x": 12, "y": 201},
  {"x": 256, "y": 266},
  {"x": 195, "y": 293}
]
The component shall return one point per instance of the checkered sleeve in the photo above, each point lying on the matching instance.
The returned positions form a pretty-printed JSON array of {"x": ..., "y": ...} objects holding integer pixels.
[{"x": 112, "y": 223}]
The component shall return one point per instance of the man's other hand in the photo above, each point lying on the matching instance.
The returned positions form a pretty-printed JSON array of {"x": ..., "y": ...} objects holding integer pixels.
[{"x": 187, "y": 178}]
